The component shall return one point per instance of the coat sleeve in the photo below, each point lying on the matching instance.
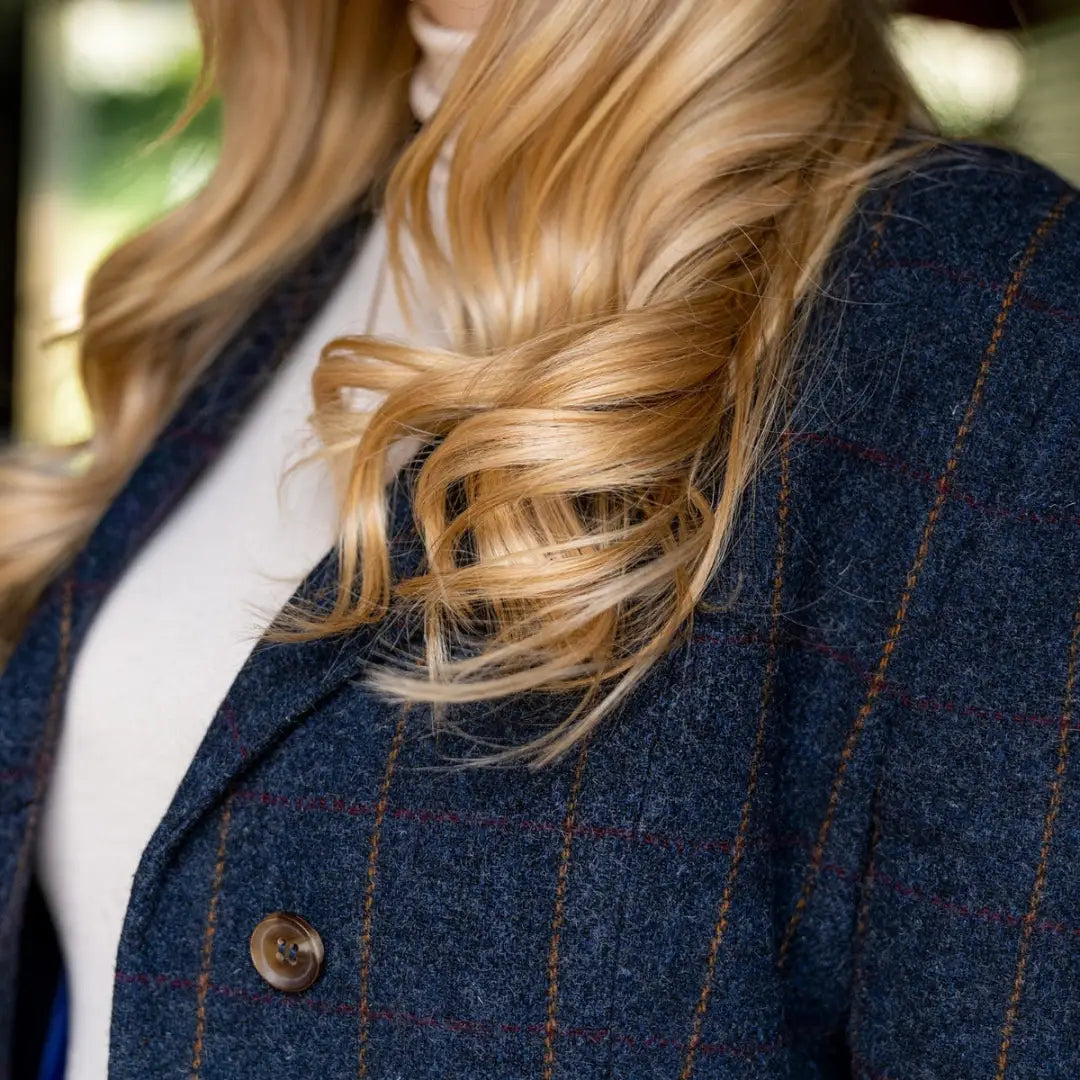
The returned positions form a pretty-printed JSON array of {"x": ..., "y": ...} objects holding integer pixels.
[{"x": 961, "y": 747}]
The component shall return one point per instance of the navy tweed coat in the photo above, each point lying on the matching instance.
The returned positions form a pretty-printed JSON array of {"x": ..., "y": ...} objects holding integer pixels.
[{"x": 835, "y": 834}]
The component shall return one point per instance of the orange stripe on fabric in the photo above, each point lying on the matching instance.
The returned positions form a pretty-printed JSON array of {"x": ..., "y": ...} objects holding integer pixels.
[
  {"x": 1052, "y": 810},
  {"x": 879, "y": 227},
  {"x": 551, "y": 1023},
  {"x": 944, "y": 485},
  {"x": 720, "y": 926},
  {"x": 369, "y": 891},
  {"x": 209, "y": 928}
]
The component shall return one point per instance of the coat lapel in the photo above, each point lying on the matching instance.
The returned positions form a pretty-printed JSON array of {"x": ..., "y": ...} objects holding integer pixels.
[
  {"x": 34, "y": 683},
  {"x": 278, "y": 686}
]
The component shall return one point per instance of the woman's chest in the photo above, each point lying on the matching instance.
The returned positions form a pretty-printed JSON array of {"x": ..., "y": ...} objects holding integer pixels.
[{"x": 478, "y": 923}]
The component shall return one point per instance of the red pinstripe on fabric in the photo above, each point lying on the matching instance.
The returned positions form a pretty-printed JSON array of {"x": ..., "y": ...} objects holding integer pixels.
[
  {"x": 955, "y": 273},
  {"x": 230, "y": 718},
  {"x": 944, "y": 486},
  {"x": 369, "y": 890},
  {"x": 896, "y": 691},
  {"x": 944, "y": 905},
  {"x": 551, "y": 1024},
  {"x": 889, "y": 688},
  {"x": 1012, "y": 1010},
  {"x": 876, "y": 456},
  {"x": 336, "y": 804},
  {"x": 739, "y": 845},
  {"x": 679, "y": 844},
  {"x": 488, "y": 1027}
]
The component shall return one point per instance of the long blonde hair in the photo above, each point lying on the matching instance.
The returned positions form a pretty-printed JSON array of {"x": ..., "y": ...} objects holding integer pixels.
[{"x": 642, "y": 198}]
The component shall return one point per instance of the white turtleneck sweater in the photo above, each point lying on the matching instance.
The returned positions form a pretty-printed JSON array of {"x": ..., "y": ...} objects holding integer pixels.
[{"x": 175, "y": 630}]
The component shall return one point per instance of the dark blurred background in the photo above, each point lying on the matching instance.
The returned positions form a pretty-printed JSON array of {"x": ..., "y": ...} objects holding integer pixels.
[{"x": 85, "y": 85}]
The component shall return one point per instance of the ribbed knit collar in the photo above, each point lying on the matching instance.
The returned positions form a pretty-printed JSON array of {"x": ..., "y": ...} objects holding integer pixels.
[{"x": 441, "y": 50}]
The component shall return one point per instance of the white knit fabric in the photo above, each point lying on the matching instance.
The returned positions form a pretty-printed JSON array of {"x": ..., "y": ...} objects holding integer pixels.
[{"x": 175, "y": 630}]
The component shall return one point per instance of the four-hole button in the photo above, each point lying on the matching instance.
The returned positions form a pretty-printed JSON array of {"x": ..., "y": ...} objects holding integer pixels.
[{"x": 287, "y": 951}]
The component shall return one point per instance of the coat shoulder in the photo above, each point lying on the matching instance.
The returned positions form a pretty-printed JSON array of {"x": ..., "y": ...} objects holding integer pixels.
[
  {"x": 967, "y": 259},
  {"x": 962, "y": 200},
  {"x": 931, "y": 580}
]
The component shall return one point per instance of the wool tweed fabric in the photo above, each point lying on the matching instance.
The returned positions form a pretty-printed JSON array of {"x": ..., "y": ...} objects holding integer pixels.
[{"x": 835, "y": 833}]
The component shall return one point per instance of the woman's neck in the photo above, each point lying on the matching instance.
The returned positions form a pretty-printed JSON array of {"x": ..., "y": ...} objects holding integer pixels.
[{"x": 460, "y": 14}]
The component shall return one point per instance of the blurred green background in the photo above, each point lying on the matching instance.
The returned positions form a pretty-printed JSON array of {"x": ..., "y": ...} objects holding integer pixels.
[{"x": 106, "y": 77}]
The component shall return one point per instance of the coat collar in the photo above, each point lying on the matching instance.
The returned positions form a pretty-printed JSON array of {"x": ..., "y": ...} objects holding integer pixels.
[{"x": 249, "y": 719}]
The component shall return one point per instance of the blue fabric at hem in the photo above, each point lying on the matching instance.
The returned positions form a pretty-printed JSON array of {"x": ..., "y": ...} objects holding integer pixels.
[{"x": 54, "y": 1052}]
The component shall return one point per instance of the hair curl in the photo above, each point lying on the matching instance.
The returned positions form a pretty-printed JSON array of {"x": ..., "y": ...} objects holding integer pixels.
[{"x": 640, "y": 203}]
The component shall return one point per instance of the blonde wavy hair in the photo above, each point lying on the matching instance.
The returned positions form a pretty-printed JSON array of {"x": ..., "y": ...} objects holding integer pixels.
[{"x": 641, "y": 202}]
